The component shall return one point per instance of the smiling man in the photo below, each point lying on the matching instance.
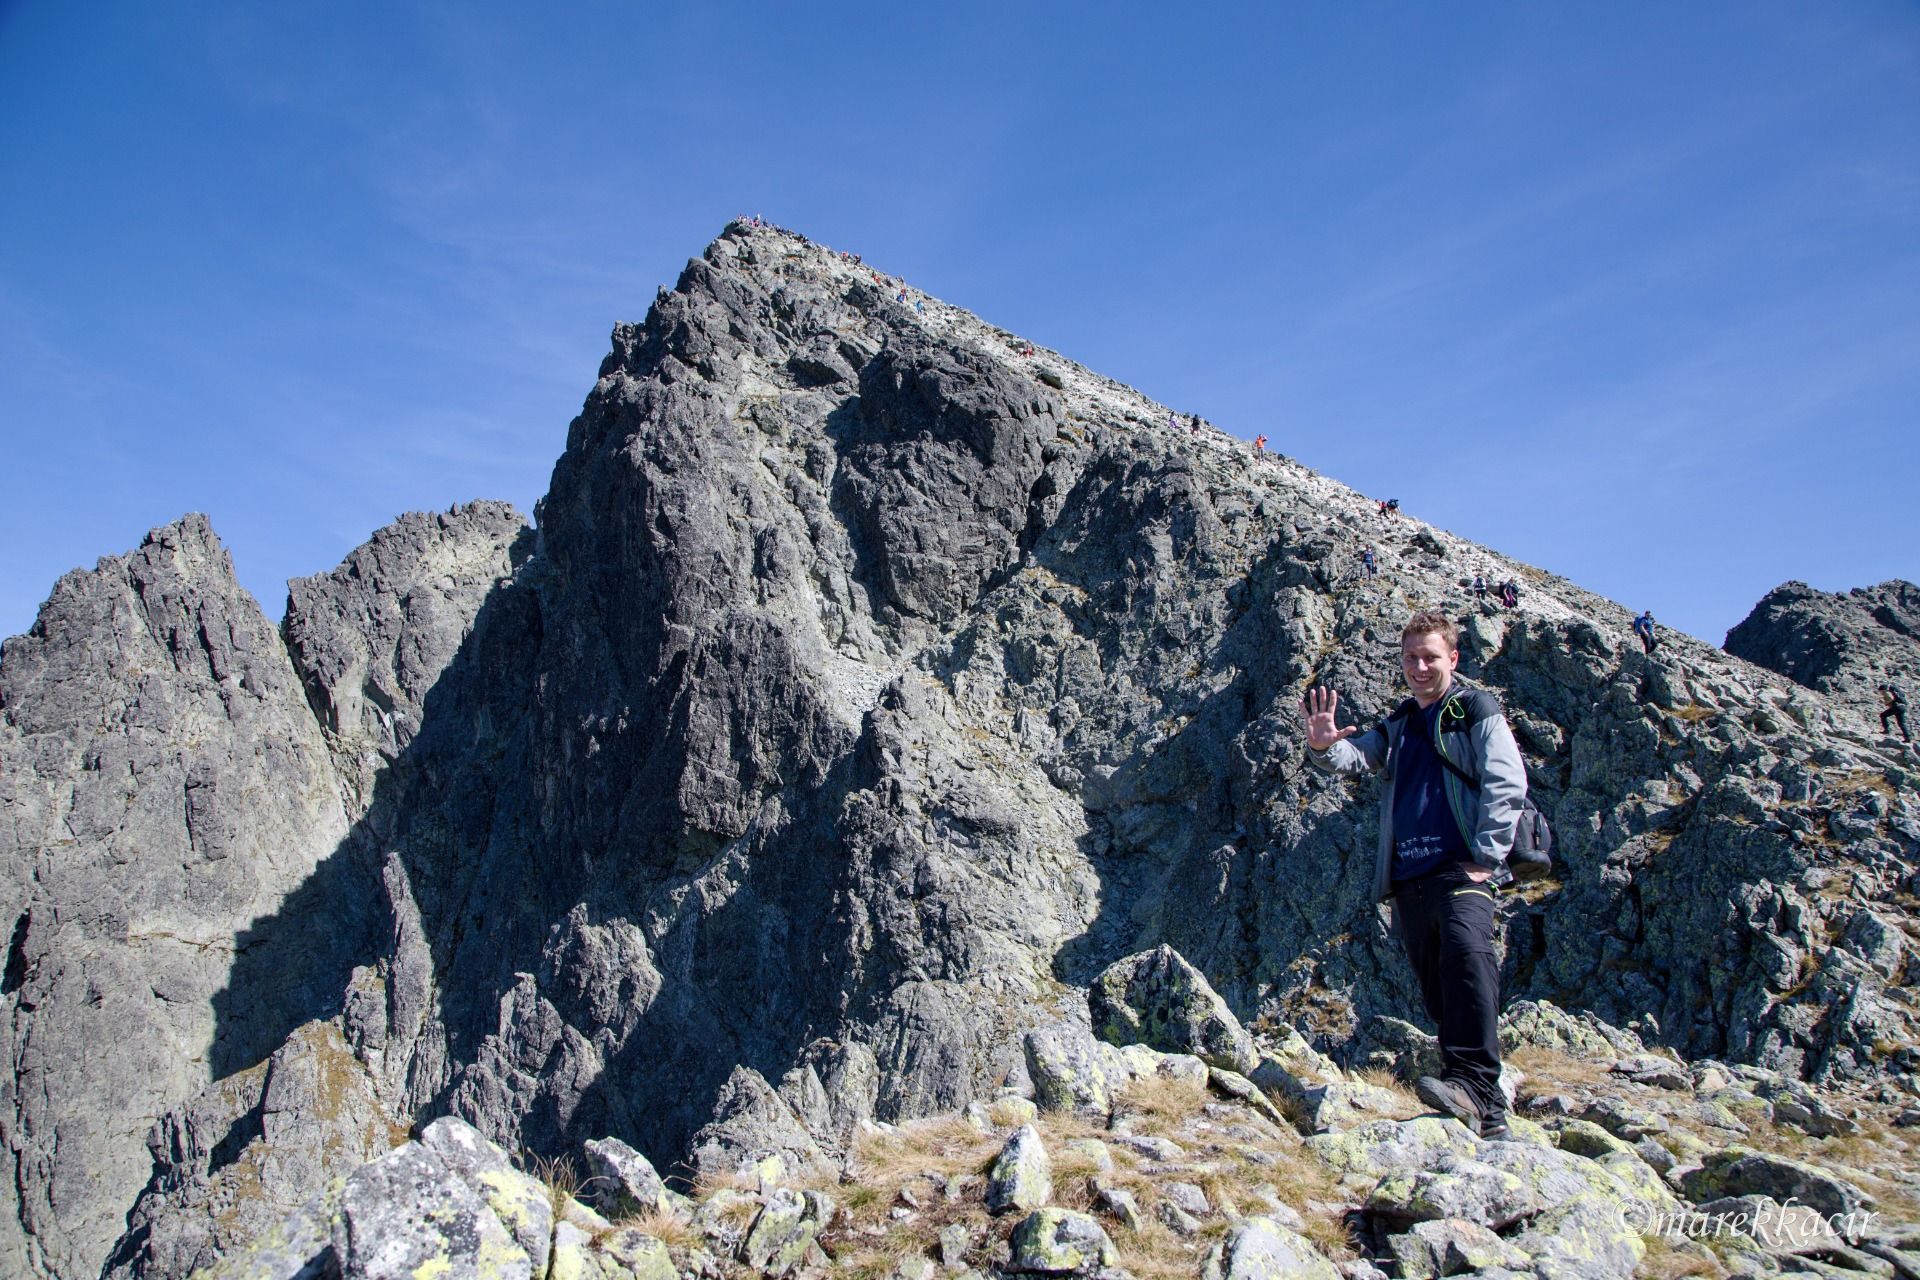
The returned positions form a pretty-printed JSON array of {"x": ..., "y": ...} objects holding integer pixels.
[{"x": 1454, "y": 783}]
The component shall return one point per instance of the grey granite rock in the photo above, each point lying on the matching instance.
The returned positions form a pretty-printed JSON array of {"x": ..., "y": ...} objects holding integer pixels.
[
  {"x": 622, "y": 1180},
  {"x": 1022, "y": 1174},
  {"x": 752, "y": 1125},
  {"x": 372, "y": 638},
  {"x": 407, "y": 1214},
  {"x": 1066, "y": 1071},
  {"x": 1451, "y": 1246},
  {"x": 1262, "y": 1249},
  {"x": 784, "y": 1230},
  {"x": 1741, "y": 1171},
  {"x": 1581, "y": 1239},
  {"x": 863, "y": 696},
  {"x": 1454, "y": 1187},
  {"x": 165, "y": 792},
  {"x": 1158, "y": 999},
  {"x": 1844, "y": 645},
  {"x": 1117, "y": 1203},
  {"x": 955, "y": 1242},
  {"x": 1060, "y": 1242}
]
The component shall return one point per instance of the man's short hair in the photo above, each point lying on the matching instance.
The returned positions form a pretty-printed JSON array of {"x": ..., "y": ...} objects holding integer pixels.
[{"x": 1438, "y": 623}]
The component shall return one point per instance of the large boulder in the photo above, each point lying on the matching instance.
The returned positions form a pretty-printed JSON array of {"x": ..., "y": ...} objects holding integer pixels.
[
  {"x": 1158, "y": 999},
  {"x": 1263, "y": 1249},
  {"x": 408, "y": 1214},
  {"x": 1058, "y": 1242}
]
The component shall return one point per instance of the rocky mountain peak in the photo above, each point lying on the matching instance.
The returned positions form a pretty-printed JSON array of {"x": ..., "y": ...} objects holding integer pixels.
[
  {"x": 875, "y": 680},
  {"x": 1845, "y": 646}
]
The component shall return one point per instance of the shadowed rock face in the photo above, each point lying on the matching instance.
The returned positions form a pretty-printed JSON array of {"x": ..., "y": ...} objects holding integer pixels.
[
  {"x": 163, "y": 787},
  {"x": 1845, "y": 646},
  {"x": 868, "y": 689}
]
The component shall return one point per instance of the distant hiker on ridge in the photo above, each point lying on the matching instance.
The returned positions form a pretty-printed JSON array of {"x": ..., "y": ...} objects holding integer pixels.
[
  {"x": 1479, "y": 587},
  {"x": 1366, "y": 558},
  {"x": 1443, "y": 851},
  {"x": 1260, "y": 444},
  {"x": 1510, "y": 594},
  {"x": 1895, "y": 710},
  {"x": 1643, "y": 627}
]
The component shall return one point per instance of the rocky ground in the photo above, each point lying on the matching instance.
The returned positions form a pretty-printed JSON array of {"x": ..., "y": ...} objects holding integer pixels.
[
  {"x": 1129, "y": 1160},
  {"x": 872, "y": 682}
]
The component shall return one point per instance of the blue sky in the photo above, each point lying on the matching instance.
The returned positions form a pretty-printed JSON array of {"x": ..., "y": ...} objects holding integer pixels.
[{"x": 1630, "y": 291}]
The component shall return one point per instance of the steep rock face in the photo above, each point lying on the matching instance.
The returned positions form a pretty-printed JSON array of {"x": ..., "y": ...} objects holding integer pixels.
[
  {"x": 163, "y": 788},
  {"x": 872, "y": 685},
  {"x": 371, "y": 638},
  {"x": 727, "y": 773},
  {"x": 1845, "y": 646}
]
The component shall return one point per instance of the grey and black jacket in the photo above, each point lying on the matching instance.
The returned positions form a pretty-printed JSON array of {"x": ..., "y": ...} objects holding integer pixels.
[{"x": 1484, "y": 748}]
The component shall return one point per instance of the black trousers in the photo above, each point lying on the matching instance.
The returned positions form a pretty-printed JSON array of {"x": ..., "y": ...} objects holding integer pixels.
[
  {"x": 1899, "y": 717},
  {"x": 1445, "y": 922}
]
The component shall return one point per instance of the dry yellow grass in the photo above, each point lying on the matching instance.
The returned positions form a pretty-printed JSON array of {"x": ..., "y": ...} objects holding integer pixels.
[
  {"x": 1548, "y": 1070},
  {"x": 1865, "y": 780},
  {"x": 669, "y": 1229},
  {"x": 1161, "y": 1098},
  {"x": 869, "y": 1241},
  {"x": 1383, "y": 1079}
]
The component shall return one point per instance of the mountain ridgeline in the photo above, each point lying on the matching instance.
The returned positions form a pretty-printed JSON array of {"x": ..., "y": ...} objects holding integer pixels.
[{"x": 871, "y": 682}]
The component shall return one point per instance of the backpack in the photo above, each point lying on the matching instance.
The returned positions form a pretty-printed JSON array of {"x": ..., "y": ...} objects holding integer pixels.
[{"x": 1531, "y": 857}]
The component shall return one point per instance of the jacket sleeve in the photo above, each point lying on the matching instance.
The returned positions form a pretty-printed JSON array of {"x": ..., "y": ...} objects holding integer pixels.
[
  {"x": 1362, "y": 753},
  {"x": 1503, "y": 784}
]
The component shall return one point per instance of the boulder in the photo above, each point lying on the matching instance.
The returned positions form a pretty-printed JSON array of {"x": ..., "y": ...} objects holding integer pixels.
[
  {"x": 521, "y": 1203},
  {"x": 1742, "y": 1171},
  {"x": 1263, "y": 1249},
  {"x": 1117, "y": 1203},
  {"x": 1450, "y": 1246},
  {"x": 1066, "y": 1071},
  {"x": 1022, "y": 1174},
  {"x": 1453, "y": 1187},
  {"x": 643, "y": 1257},
  {"x": 1059, "y": 1242},
  {"x": 1782, "y": 1228},
  {"x": 1156, "y": 998},
  {"x": 622, "y": 1180},
  {"x": 1382, "y": 1147},
  {"x": 784, "y": 1229},
  {"x": 1581, "y": 1239},
  {"x": 408, "y": 1214}
]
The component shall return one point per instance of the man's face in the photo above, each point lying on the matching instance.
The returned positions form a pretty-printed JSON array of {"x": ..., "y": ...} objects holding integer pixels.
[{"x": 1427, "y": 664}]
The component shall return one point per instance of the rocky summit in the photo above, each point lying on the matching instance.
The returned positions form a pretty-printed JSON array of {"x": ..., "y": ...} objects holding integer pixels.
[
  {"x": 1845, "y": 646},
  {"x": 870, "y": 800}
]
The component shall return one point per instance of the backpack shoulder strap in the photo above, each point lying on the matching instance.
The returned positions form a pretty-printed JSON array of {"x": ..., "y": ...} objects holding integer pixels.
[
  {"x": 1477, "y": 704},
  {"x": 1473, "y": 706}
]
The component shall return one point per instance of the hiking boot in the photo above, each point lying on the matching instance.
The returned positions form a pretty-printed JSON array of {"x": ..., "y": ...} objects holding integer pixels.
[
  {"x": 1450, "y": 1099},
  {"x": 1494, "y": 1128}
]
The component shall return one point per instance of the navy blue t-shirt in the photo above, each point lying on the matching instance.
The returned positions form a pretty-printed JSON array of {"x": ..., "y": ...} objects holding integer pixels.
[{"x": 1425, "y": 835}]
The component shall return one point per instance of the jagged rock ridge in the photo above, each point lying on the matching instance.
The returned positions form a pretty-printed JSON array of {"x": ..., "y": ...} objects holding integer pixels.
[
  {"x": 1845, "y": 646},
  {"x": 868, "y": 687}
]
